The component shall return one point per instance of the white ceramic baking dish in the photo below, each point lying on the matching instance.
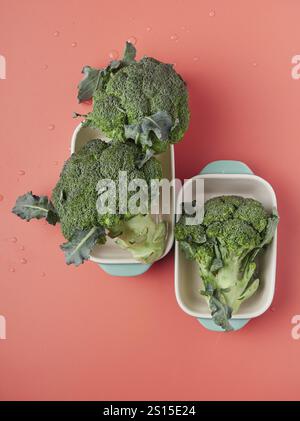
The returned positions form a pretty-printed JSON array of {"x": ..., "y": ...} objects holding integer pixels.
[
  {"x": 227, "y": 178},
  {"x": 109, "y": 256}
]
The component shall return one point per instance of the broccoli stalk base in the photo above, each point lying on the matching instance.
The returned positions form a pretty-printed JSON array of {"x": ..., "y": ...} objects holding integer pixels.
[{"x": 228, "y": 288}]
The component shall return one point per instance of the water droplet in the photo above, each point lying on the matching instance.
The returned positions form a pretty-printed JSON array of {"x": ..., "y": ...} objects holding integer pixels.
[
  {"x": 23, "y": 261},
  {"x": 45, "y": 67},
  {"x": 254, "y": 64},
  {"x": 114, "y": 55},
  {"x": 1, "y": 197},
  {"x": 133, "y": 40},
  {"x": 174, "y": 37},
  {"x": 22, "y": 248},
  {"x": 212, "y": 13},
  {"x": 195, "y": 58},
  {"x": 74, "y": 44},
  {"x": 12, "y": 269},
  {"x": 51, "y": 127},
  {"x": 56, "y": 33},
  {"x": 183, "y": 28},
  {"x": 148, "y": 29},
  {"x": 13, "y": 239},
  {"x": 43, "y": 274},
  {"x": 21, "y": 172}
]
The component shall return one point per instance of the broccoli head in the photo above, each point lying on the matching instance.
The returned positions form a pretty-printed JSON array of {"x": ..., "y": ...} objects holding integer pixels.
[
  {"x": 75, "y": 195},
  {"x": 75, "y": 202},
  {"x": 233, "y": 231},
  {"x": 144, "y": 100}
]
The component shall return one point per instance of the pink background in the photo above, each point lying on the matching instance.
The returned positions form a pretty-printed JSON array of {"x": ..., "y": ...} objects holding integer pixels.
[{"x": 76, "y": 333}]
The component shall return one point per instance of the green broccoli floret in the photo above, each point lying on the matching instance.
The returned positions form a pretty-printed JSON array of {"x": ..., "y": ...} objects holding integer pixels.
[
  {"x": 190, "y": 233},
  {"x": 217, "y": 210},
  {"x": 253, "y": 212},
  {"x": 144, "y": 100},
  {"x": 233, "y": 232},
  {"x": 107, "y": 115}
]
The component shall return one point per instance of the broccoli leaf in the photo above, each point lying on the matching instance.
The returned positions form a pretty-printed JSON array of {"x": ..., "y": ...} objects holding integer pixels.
[
  {"x": 249, "y": 291},
  {"x": 30, "y": 206},
  {"x": 78, "y": 249},
  {"x": 271, "y": 228},
  {"x": 221, "y": 313},
  {"x": 142, "y": 159},
  {"x": 188, "y": 249},
  {"x": 88, "y": 84},
  {"x": 93, "y": 78},
  {"x": 159, "y": 123},
  {"x": 216, "y": 265},
  {"x": 129, "y": 53}
]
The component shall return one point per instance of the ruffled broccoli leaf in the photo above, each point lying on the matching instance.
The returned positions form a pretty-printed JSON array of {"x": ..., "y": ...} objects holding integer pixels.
[
  {"x": 88, "y": 84},
  {"x": 271, "y": 228},
  {"x": 216, "y": 265},
  {"x": 95, "y": 78},
  {"x": 30, "y": 206},
  {"x": 78, "y": 249},
  {"x": 129, "y": 53},
  {"x": 269, "y": 233},
  {"x": 159, "y": 123},
  {"x": 188, "y": 249},
  {"x": 250, "y": 290},
  {"x": 144, "y": 157},
  {"x": 221, "y": 313}
]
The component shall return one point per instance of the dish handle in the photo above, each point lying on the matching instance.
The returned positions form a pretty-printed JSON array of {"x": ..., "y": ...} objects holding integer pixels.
[
  {"x": 124, "y": 269},
  {"x": 225, "y": 167}
]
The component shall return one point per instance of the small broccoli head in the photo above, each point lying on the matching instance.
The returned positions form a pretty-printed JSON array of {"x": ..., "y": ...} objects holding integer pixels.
[
  {"x": 234, "y": 230},
  {"x": 135, "y": 90},
  {"x": 75, "y": 195}
]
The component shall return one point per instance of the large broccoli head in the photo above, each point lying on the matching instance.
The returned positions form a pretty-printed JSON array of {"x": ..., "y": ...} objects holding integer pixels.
[
  {"x": 143, "y": 100},
  {"x": 75, "y": 202},
  {"x": 233, "y": 231},
  {"x": 75, "y": 195}
]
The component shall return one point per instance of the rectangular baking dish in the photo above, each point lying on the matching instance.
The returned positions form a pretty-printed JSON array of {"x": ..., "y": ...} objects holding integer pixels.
[
  {"x": 109, "y": 256},
  {"x": 228, "y": 178}
]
